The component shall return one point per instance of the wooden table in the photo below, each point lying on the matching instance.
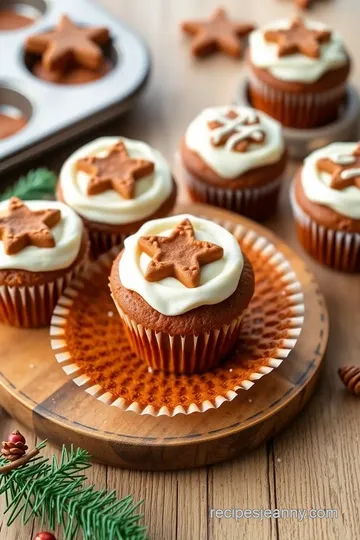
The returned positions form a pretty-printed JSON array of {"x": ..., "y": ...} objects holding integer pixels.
[{"x": 314, "y": 463}]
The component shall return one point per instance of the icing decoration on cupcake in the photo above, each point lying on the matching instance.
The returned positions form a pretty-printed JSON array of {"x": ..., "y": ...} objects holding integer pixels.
[
  {"x": 38, "y": 236},
  {"x": 343, "y": 168},
  {"x": 150, "y": 191},
  {"x": 23, "y": 227},
  {"x": 300, "y": 50},
  {"x": 169, "y": 296},
  {"x": 236, "y": 132},
  {"x": 298, "y": 39},
  {"x": 116, "y": 171},
  {"x": 336, "y": 187},
  {"x": 240, "y": 146},
  {"x": 69, "y": 43},
  {"x": 218, "y": 33},
  {"x": 179, "y": 255}
]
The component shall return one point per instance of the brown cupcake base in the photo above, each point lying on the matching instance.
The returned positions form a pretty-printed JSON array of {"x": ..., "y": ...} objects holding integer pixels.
[
  {"x": 31, "y": 304},
  {"x": 258, "y": 203},
  {"x": 337, "y": 249}
]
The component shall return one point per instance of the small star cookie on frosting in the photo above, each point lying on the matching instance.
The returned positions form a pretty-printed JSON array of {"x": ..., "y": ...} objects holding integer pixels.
[
  {"x": 117, "y": 171},
  {"x": 179, "y": 255},
  {"x": 343, "y": 168},
  {"x": 235, "y": 131},
  {"x": 23, "y": 227}
]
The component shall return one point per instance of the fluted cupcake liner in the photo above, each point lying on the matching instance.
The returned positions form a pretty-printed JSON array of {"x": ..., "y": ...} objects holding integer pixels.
[
  {"x": 339, "y": 250},
  {"x": 294, "y": 109},
  {"x": 90, "y": 342},
  {"x": 32, "y": 306},
  {"x": 258, "y": 203},
  {"x": 180, "y": 353},
  {"x": 101, "y": 241}
]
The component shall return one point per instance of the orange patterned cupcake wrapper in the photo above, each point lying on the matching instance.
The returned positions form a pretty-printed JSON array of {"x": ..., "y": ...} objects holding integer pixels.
[{"x": 90, "y": 343}]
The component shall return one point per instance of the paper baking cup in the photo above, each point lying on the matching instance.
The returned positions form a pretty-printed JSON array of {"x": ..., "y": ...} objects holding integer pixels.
[
  {"x": 90, "y": 342},
  {"x": 180, "y": 354},
  {"x": 296, "y": 110},
  {"x": 32, "y": 307},
  {"x": 339, "y": 250},
  {"x": 101, "y": 242},
  {"x": 258, "y": 203}
]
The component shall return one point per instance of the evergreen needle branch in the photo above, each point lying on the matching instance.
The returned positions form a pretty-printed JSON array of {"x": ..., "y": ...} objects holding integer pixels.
[
  {"x": 55, "y": 491},
  {"x": 37, "y": 184}
]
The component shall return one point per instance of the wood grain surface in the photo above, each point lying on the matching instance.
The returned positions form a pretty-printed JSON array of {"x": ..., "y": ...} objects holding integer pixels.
[{"x": 314, "y": 463}]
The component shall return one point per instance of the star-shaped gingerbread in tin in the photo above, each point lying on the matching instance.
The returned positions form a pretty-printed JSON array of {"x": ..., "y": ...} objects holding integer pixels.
[
  {"x": 344, "y": 169},
  {"x": 117, "y": 171},
  {"x": 69, "y": 43},
  {"x": 179, "y": 255},
  {"x": 298, "y": 39},
  {"x": 22, "y": 227},
  {"x": 218, "y": 33}
]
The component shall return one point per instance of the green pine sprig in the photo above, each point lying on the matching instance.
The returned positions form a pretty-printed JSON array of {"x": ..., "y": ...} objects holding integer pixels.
[
  {"x": 37, "y": 184},
  {"x": 55, "y": 492}
]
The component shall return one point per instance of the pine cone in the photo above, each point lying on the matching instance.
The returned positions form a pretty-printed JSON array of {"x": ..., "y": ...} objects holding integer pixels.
[
  {"x": 350, "y": 376},
  {"x": 13, "y": 450}
]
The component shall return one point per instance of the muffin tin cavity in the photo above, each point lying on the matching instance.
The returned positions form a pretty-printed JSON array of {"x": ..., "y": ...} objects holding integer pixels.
[
  {"x": 18, "y": 15},
  {"x": 15, "y": 112},
  {"x": 76, "y": 75}
]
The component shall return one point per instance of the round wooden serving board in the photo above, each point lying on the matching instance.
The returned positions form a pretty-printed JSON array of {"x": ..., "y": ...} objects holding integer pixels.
[{"x": 35, "y": 390}]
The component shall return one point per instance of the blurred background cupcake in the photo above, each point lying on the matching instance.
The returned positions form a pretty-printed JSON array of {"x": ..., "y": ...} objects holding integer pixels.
[
  {"x": 234, "y": 157},
  {"x": 326, "y": 204},
  {"x": 43, "y": 245},
  {"x": 298, "y": 72},
  {"x": 116, "y": 184},
  {"x": 181, "y": 286}
]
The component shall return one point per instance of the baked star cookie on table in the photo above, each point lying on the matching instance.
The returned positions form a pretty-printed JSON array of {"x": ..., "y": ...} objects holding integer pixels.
[
  {"x": 234, "y": 157},
  {"x": 116, "y": 184}
]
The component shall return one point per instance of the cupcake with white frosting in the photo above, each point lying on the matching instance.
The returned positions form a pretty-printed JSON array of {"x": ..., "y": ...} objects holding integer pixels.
[
  {"x": 115, "y": 185},
  {"x": 181, "y": 286},
  {"x": 326, "y": 204},
  {"x": 43, "y": 245},
  {"x": 298, "y": 72},
  {"x": 234, "y": 157}
]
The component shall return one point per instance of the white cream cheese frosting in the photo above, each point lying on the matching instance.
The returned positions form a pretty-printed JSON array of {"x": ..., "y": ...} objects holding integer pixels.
[
  {"x": 67, "y": 234},
  {"x": 296, "y": 67},
  {"x": 218, "y": 280},
  {"x": 226, "y": 162},
  {"x": 316, "y": 184},
  {"x": 109, "y": 207}
]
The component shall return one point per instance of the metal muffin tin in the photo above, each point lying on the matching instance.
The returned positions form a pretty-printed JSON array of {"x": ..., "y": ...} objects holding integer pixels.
[{"x": 57, "y": 112}]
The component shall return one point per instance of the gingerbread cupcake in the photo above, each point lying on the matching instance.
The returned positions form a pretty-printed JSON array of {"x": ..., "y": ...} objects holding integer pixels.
[
  {"x": 234, "y": 157},
  {"x": 115, "y": 185},
  {"x": 298, "y": 72},
  {"x": 326, "y": 205},
  {"x": 181, "y": 286},
  {"x": 43, "y": 245}
]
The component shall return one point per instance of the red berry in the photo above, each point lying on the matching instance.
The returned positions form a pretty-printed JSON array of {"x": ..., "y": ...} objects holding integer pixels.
[
  {"x": 44, "y": 536},
  {"x": 16, "y": 437}
]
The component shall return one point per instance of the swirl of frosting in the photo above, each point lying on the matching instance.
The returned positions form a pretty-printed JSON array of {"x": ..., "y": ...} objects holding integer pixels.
[
  {"x": 296, "y": 67},
  {"x": 67, "y": 235},
  {"x": 218, "y": 280},
  {"x": 223, "y": 159},
  {"x": 109, "y": 207},
  {"x": 316, "y": 184}
]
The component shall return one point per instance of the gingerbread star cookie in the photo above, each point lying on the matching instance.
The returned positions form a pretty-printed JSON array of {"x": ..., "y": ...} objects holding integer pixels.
[
  {"x": 235, "y": 132},
  {"x": 69, "y": 43},
  {"x": 179, "y": 255},
  {"x": 23, "y": 227},
  {"x": 117, "y": 171},
  {"x": 344, "y": 169},
  {"x": 219, "y": 33},
  {"x": 298, "y": 39}
]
